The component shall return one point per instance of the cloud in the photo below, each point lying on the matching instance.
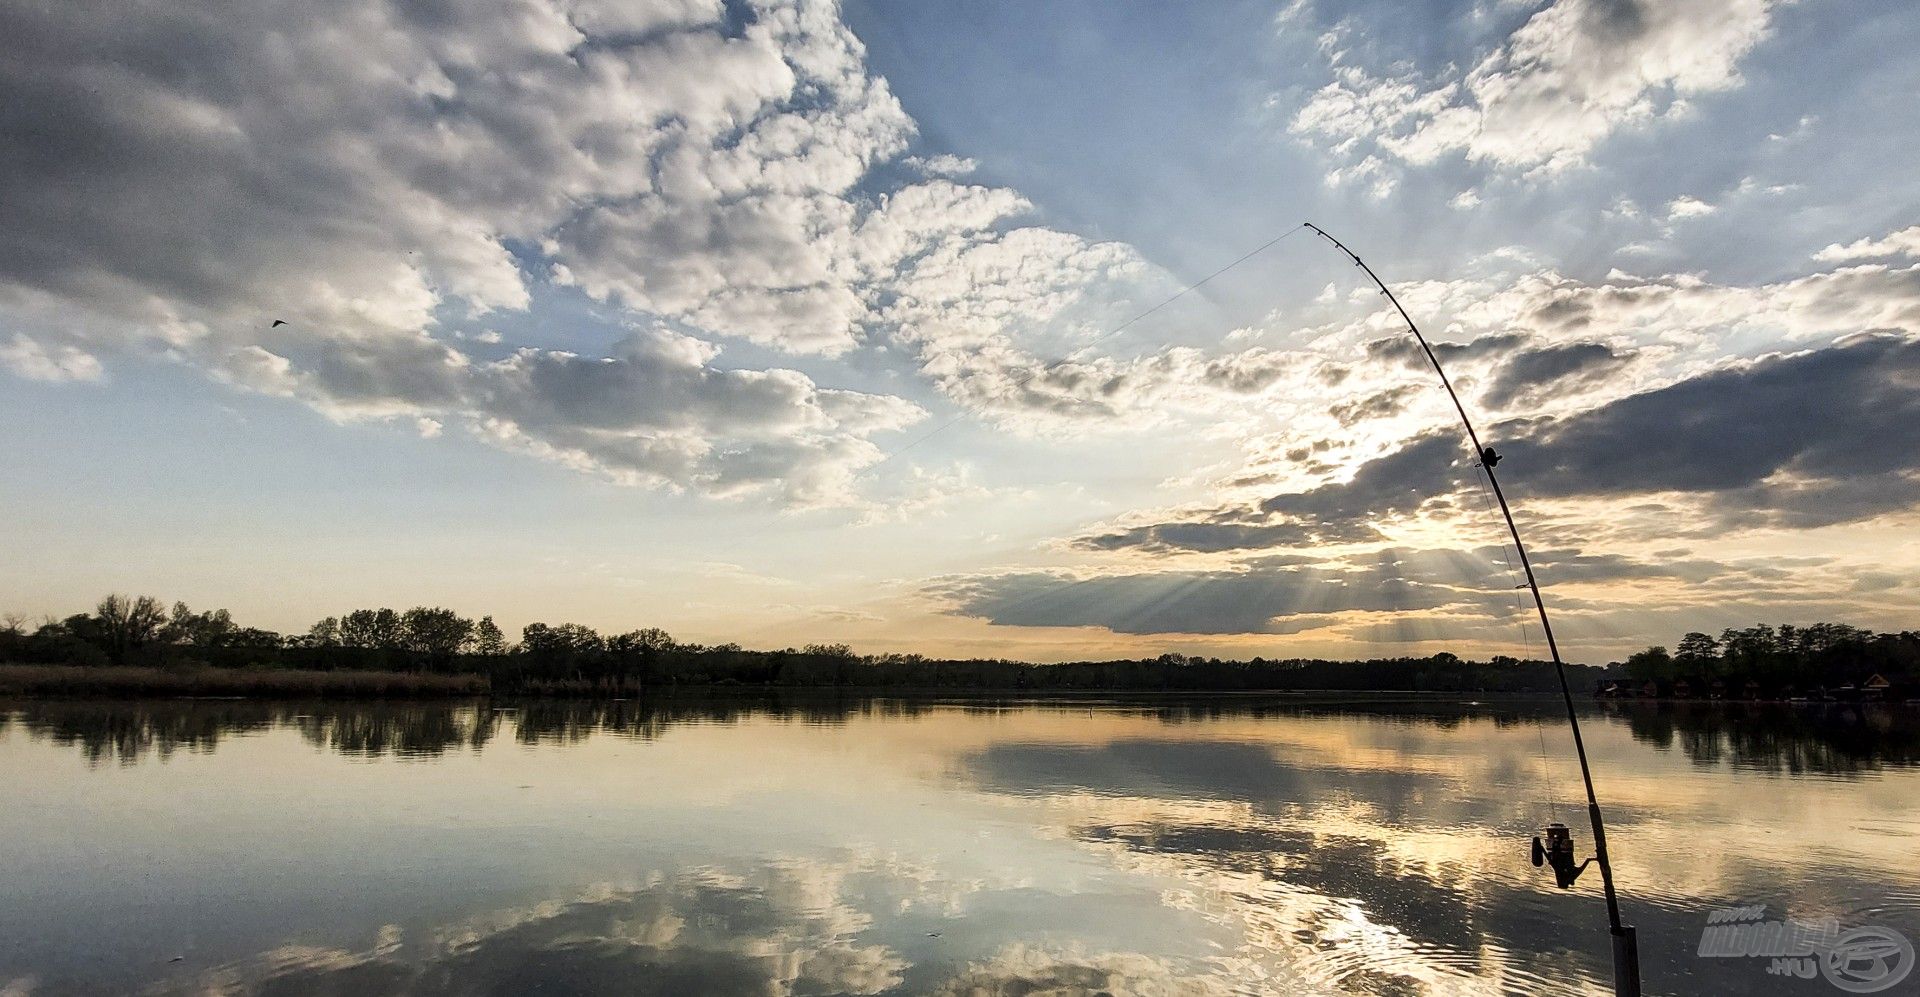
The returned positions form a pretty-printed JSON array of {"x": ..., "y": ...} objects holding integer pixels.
[
  {"x": 1791, "y": 440},
  {"x": 1280, "y": 596},
  {"x": 1540, "y": 370},
  {"x": 1211, "y": 537},
  {"x": 1796, "y": 440},
  {"x": 375, "y": 173},
  {"x": 1612, "y": 337},
  {"x": 1545, "y": 96},
  {"x": 1687, "y": 207},
  {"x": 1803, "y": 439},
  {"x": 1027, "y": 969},
  {"x": 1905, "y": 242},
  {"x": 781, "y": 928},
  {"x": 1390, "y": 402},
  {"x": 651, "y": 411},
  {"x": 38, "y": 361},
  {"x": 943, "y": 165}
]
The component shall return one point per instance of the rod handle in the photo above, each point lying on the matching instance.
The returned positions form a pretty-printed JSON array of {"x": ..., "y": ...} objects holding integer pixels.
[{"x": 1626, "y": 962}]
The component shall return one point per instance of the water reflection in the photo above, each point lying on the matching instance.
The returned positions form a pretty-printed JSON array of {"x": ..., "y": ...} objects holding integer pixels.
[
  {"x": 1825, "y": 739},
  {"x": 703, "y": 931},
  {"x": 806, "y": 845}
]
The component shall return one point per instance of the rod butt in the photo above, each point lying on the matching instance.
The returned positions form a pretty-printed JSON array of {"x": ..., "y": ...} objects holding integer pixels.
[{"x": 1626, "y": 962}]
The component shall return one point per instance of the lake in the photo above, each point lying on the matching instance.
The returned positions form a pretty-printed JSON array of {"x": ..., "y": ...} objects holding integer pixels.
[{"x": 1196, "y": 846}]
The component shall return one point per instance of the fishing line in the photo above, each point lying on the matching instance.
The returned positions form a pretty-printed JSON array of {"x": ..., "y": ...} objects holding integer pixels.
[
  {"x": 1103, "y": 337},
  {"x": 1526, "y": 642}
]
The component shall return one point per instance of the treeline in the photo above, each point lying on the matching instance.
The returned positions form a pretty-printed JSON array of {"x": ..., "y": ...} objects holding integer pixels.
[
  {"x": 1782, "y": 661},
  {"x": 570, "y": 658}
]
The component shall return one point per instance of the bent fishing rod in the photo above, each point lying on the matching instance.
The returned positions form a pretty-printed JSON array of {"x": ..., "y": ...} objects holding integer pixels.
[{"x": 1557, "y": 850}]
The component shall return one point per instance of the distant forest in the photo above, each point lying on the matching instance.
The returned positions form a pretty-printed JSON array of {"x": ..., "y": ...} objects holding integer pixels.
[
  {"x": 1780, "y": 662},
  {"x": 570, "y": 658}
]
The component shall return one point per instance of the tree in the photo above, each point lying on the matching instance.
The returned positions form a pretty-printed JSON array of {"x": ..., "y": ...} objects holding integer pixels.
[
  {"x": 1650, "y": 665},
  {"x": 203, "y": 630},
  {"x": 254, "y": 637},
  {"x": 371, "y": 628},
  {"x": 1696, "y": 650},
  {"x": 435, "y": 631},
  {"x": 541, "y": 640},
  {"x": 650, "y": 639},
  {"x": 122, "y": 624},
  {"x": 487, "y": 638},
  {"x": 325, "y": 633}
]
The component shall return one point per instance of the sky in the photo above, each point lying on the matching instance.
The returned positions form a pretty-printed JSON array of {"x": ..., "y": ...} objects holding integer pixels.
[{"x": 787, "y": 322}]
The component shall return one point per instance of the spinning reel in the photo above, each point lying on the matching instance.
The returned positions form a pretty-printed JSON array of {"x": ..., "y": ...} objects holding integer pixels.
[{"x": 1557, "y": 851}]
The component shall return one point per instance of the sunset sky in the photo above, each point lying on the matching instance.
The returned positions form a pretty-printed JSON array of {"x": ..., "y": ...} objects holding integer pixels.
[{"x": 780, "y": 323}]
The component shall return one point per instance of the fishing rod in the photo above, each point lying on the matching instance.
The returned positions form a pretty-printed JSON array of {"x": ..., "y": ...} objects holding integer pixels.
[{"x": 1557, "y": 849}]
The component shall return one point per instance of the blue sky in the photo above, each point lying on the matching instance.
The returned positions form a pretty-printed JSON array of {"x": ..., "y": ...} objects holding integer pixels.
[{"x": 750, "y": 322}]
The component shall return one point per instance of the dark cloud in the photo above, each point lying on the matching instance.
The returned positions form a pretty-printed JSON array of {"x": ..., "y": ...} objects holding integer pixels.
[
  {"x": 1521, "y": 364},
  {"x": 1284, "y": 594},
  {"x": 1406, "y": 351},
  {"x": 1835, "y": 428},
  {"x": 1387, "y": 403},
  {"x": 1166, "y": 538},
  {"x": 1797, "y": 441},
  {"x": 1397, "y": 484},
  {"x": 1291, "y": 593},
  {"x": 1534, "y": 371}
]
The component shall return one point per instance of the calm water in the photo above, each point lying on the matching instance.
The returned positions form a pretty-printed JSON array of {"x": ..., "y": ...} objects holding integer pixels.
[{"x": 1218, "y": 847}]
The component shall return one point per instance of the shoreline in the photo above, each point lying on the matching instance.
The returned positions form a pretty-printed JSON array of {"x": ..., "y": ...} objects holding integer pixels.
[
  {"x": 105, "y": 681},
  {"x": 121, "y": 682}
]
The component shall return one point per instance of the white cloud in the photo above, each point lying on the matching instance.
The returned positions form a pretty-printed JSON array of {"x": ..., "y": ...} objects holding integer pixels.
[
  {"x": 38, "y": 361},
  {"x": 1687, "y": 207},
  {"x": 365, "y": 169},
  {"x": 943, "y": 165},
  {"x": 1541, "y": 100},
  {"x": 1905, "y": 242}
]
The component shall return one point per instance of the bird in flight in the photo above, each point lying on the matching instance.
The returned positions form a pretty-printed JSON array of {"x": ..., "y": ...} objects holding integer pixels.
[{"x": 277, "y": 323}]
